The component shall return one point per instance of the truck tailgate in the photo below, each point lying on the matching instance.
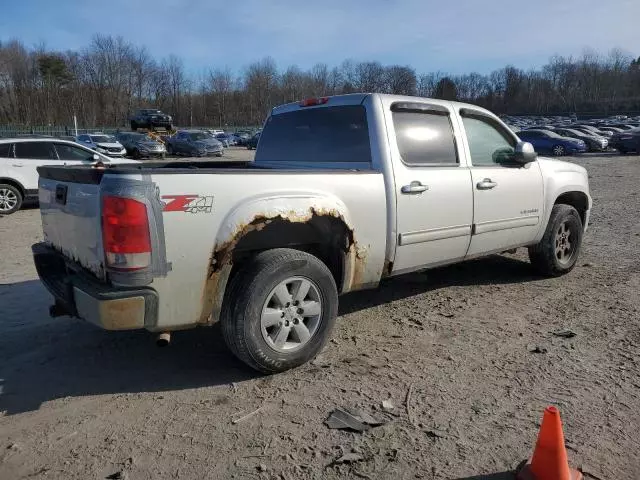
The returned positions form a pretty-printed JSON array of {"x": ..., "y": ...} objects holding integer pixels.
[{"x": 71, "y": 221}]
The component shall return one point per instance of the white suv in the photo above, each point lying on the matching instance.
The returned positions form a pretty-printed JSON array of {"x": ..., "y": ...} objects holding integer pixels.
[
  {"x": 20, "y": 157},
  {"x": 103, "y": 143}
]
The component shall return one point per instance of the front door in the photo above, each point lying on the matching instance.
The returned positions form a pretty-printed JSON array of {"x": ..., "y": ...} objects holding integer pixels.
[
  {"x": 507, "y": 197},
  {"x": 433, "y": 191}
]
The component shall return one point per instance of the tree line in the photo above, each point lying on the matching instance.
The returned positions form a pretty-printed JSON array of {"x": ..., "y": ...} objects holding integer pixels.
[{"x": 104, "y": 83}]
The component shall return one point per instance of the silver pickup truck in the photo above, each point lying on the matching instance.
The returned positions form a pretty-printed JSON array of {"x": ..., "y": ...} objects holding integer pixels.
[{"x": 344, "y": 191}]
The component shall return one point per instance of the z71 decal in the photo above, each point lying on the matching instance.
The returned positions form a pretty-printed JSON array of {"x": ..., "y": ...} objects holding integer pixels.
[{"x": 187, "y": 203}]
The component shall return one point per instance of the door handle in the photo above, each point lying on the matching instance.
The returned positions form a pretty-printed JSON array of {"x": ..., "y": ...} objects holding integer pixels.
[
  {"x": 414, "y": 187},
  {"x": 486, "y": 184}
]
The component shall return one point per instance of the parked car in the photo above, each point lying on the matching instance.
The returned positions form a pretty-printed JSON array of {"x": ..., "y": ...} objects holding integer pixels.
[
  {"x": 625, "y": 142},
  {"x": 241, "y": 138},
  {"x": 338, "y": 198},
  {"x": 594, "y": 143},
  {"x": 102, "y": 143},
  {"x": 546, "y": 141},
  {"x": 194, "y": 143},
  {"x": 611, "y": 129},
  {"x": 139, "y": 145},
  {"x": 225, "y": 139},
  {"x": 590, "y": 129},
  {"x": 252, "y": 143},
  {"x": 20, "y": 158},
  {"x": 151, "y": 118}
]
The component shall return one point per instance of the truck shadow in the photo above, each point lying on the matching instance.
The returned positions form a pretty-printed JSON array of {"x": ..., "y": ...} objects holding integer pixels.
[
  {"x": 492, "y": 270},
  {"x": 42, "y": 359}
]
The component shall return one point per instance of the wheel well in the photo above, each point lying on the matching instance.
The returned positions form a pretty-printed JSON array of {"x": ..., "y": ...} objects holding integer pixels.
[
  {"x": 577, "y": 200},
  {"x": 325, "y": 237},
  {"x": 13, "y": 183}
]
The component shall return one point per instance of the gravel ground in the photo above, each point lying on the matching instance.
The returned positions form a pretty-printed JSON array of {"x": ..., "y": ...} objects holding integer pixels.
[{"x": 451, "y": 349}]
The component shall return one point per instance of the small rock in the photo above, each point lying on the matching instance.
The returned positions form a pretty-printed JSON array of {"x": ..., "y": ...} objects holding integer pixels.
[
  {"x": 387, "y": 406},
  {"x": 115, "y": 476},
  {"x": 262, "y": 467},
  {"x": 588, "y": 264},
  {"x": 538, "y": 349}
]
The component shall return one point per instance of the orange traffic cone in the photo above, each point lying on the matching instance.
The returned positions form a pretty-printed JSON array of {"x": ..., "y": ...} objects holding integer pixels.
[{"x": 549, "y": 461}]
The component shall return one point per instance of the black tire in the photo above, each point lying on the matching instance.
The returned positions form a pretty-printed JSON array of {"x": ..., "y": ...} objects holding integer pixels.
[
  {"x": 136, "y": 154},
  {"x": 558, "y": 151},
  {"x": 245, "y": 298},
  {"x": 134, "y": 126},
  {"x": 218, "y": 154},
  {"x": 169, "y": 149},
  {"x": 544, "y": 255},
  {"x": 168, "y": 127},
  {"x": 8, "y": 195},
  {"x": 623, "y": 151}
]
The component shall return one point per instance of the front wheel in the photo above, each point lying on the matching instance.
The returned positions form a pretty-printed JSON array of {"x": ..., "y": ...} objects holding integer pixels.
[
  {"x": 10, "y": 199},
  {"x": 134, "y": 126},
  {"x": 279, "y": 310},
  {"x": 558, "y": 150},
  {"x": 557, "y": 252},
  {"x": 169, "y": 149}
]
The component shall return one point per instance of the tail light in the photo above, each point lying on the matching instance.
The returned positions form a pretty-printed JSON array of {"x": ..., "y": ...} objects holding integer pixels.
[
  {"x": 310, "y": 102},
  {"x": 125, "y": 233}
]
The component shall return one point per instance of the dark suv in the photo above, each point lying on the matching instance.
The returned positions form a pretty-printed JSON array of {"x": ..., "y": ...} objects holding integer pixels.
[{"x": 150, "y": 118}]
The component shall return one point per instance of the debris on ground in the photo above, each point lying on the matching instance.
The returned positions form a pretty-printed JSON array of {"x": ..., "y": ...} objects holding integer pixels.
[
  {"x": 115, "y": 476},
  {"x": 564, "y": 333},
  {"x": 538, "y": 349},
  {"x": 349, "y": 458},
  {"x": 387, "y": 405},
  {"x": 248, "y": 415},
  {"x": 351, "y": 419}
]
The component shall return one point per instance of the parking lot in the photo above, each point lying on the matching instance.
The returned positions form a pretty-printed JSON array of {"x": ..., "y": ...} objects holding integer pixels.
[{"x": 467, "y": 355}]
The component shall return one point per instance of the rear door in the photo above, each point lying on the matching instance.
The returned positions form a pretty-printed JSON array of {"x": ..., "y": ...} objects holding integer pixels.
[
  {"x": 28, "y": 157},
  {"x": 507, "y": 197},
  {"x": 433, "y": 189}
]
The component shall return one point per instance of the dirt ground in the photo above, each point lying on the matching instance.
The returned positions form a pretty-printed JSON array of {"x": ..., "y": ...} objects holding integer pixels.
[{"x": 451, "y": 349}]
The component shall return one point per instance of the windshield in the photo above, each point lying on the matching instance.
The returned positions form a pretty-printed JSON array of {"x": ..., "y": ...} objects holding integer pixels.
[
  {"x": 198, "y": 136},
  {"x": 102, "y": 139}
]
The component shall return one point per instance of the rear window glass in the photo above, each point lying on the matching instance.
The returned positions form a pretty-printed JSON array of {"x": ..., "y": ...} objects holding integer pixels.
[
  {"x": 5, "y": 150},
  {"x": 317, "y": 135}
]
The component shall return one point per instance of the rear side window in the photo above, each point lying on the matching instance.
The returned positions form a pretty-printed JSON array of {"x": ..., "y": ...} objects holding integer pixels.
[
  {"x": 5, "y": 150},
  {"x": 36, "y": 150},
  {"x": 425, "y": 138},
  {"x": 317, "y": 135}
]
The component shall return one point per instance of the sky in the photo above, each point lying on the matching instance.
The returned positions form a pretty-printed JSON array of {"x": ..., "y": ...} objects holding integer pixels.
[{"x": 454, "y": 36}]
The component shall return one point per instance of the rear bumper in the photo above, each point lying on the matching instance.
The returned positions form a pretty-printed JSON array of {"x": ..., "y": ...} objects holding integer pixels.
[{"x": 77, "y": 294}]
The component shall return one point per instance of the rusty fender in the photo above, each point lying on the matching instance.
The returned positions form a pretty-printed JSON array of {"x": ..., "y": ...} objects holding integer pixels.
[{"x": 221, "y": 264}]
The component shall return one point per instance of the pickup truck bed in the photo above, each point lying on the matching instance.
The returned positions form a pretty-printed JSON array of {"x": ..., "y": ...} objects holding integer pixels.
[{"x": 343, "y": 192}]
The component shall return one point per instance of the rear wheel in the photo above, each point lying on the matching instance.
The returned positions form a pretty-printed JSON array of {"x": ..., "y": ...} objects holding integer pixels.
[
  {"x": 279, "y": 310},
  {"x": 169, "y": 149},
  {"x": 10, "y": 199},
  {"x": 557, "y": 252},
  {"x": 558, "y": 150},
  {"x": 136, "y": 153},
  {"x": 134, "y": 126}
]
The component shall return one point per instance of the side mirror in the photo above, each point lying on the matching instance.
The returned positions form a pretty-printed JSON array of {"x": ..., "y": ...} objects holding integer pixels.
[
  {"x": 96, "y": 157},
  {"x": 524, "y": 153}
]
